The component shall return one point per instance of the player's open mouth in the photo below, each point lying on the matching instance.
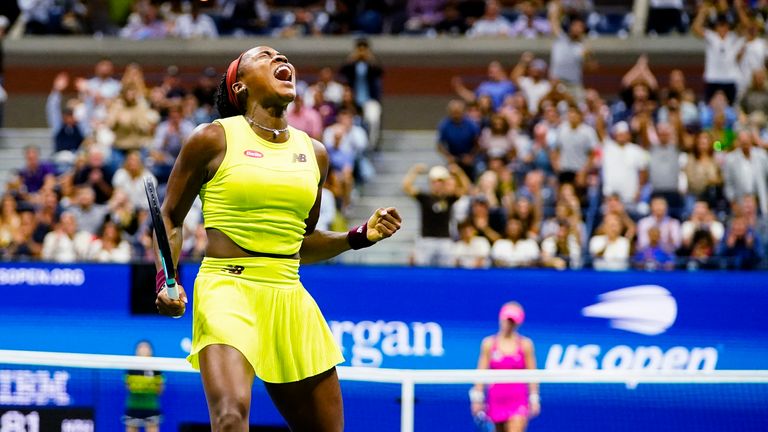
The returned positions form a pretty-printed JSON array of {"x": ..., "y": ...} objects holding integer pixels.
[{"x": 284, "y": 73}]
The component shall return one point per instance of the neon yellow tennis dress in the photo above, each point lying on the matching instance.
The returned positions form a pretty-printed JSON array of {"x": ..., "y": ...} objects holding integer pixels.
[{"x": 260, "y": 197}]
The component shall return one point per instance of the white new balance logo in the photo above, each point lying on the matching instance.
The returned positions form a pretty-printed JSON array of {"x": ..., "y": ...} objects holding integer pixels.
[{"x": 644, "y": 309}]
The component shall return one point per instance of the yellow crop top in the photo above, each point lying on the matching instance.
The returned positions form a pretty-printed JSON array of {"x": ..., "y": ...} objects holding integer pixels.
[{"x": 263, "y": 191}]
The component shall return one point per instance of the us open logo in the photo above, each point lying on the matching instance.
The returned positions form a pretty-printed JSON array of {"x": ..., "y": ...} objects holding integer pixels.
[{"x": 254, "y": 154}]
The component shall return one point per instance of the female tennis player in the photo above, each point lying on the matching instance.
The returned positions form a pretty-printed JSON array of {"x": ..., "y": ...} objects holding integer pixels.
[
  {"x": 509, "y": 406},
  {"x": 260, "y": 182}
]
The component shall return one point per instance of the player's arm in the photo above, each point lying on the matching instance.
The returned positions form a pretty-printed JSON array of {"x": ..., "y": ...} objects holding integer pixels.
[
  {"x": 198, "y": 160},
  {"x": 530, "y": 363},
  {"x": 322, "y": 245},
  {"x": 477, "y": 397}
]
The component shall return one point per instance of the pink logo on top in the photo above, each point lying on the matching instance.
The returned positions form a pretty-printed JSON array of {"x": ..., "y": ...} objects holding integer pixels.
[{"x": 253, "y": 154}]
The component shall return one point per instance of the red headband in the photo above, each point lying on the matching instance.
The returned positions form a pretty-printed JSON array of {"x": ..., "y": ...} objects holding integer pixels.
[{"x": 231, "y": 78}]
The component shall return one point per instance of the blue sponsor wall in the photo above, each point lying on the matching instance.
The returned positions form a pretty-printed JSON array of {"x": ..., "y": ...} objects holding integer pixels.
[{"x": 428, "y": 319}]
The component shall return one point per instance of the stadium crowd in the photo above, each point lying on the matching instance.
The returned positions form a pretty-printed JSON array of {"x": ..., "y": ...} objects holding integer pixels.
[
  {"x": 540, "y": 171},
  {"x": 543, "y": 172},
  {"x": 88, "y": 201}
]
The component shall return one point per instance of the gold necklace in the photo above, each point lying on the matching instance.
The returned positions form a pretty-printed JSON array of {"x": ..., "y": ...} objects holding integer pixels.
[{"x": 275, "y": 132}]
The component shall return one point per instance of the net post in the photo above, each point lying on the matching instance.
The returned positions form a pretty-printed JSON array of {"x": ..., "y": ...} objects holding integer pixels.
[{"x": 407, "y": 399}]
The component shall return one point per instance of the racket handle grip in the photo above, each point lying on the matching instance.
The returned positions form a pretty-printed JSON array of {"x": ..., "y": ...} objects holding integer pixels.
[{"x": 173, "y": 292}]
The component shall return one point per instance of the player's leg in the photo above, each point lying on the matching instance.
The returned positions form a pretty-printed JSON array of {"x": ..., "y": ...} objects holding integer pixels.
[
  {"x": 516, "y": 423},
  {"x": 227, "y": 379},
  {"x": 152, "y": 428},
  {"x": 310, "y": 405}
]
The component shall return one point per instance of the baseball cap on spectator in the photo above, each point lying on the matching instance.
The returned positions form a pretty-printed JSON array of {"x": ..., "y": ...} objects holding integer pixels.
[
  {"x": 512, "y": 311},
  {"x": 539, "y": 64},
  {"x": 620, "y": 127},
  {"x": 439, "y": 172}
]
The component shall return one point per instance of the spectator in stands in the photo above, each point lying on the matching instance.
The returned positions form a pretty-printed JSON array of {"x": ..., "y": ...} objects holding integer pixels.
[
  {"x": 194, "y": 24},
  {"x": 470, "y": 250},
  {"x": 665, "y": 16},
  {"x": 497, "y": 141},
  {"x": 332, "y": 90},
  {"x": 170, "y": 135},
  {"x": 721, "y": 69},
  {"x": 755, "y": 48},
  {"x": 362, "y": 72},
  {"x": 561, "y": 249},
  {"x": 527, "y": 207},
  {"x": 614, "y": 206},
  {"x": 145, "y": 23},
  {"x": 423, "y": 14},
  {"x": 664, "y": 166},
  {"x": 109, "y": 245},
  {"x": 171, "y": 87},
  {"x": 66, "y": 243},
  {"x": 529, "y": 24},
  {"x": 130, "y": 179},
  {"x": 46, "y": 214},
  {"x": 740, "y": 246},
  {"x": 488, "y": 221},
  {"x": 702, "y": 171},
  {"x": 610, "y": 251},
  {"x": 625, "y": 167},
  {"x": 718, "y": 115},
  {"x": 132, "y": 120},
  {"x": 197, "y": 251},
  {"x": 35, "y": 171},
  {"x": 570, "y": 54},
  {"x": 756, "y": 96},
  {"x": 96, "y": 174},
  {"x": 22, "y": 244},
  {"x": 574, "y": 147},
  {"x": 515, "y": 249},
  {"x": 68, "y": 133},
  {"x": 492, "y": 23},
  {"x": 498, "y": 86},
  {"x": 10, "y": 220},
  {"x": 90, "y": 215},
  {"x": 305, "y": 118},
  {"x": 745, "y": 171},
  {"x": 457, "y": 138},
  {"x": 346, "y": 144},
  {"x": 434, "y": 244},
  {"x": 205, "y": 93},
  {"x": 653, "y": 256},
  {"x": 701, "y": 253},
  {"x": 669, "y": 235},
  {"x": 100, "y": 90},
  {"x": 701, "y": 219},
  {"x": 454, "y": 23},
  {"x": 530, "y": 75}
]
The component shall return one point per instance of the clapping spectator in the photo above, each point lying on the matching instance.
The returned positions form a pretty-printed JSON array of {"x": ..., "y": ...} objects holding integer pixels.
[
  {"x": 130, "y": 179},
  {"x": 492, "y": 23},
  {"x": 23, "y": 244},
  {"x": 530, "y": 75},
  {"x": 66, "y": 243},
  {"x": 470, "y": 250},
  {"x": 615, "y": 207},
  {"x": 669, "y": 228},
  {"x": 132, "y": 120},
  {"x": 435, "y": 209},
  {"x": 497, "y": 141},
  {"x": 701, "y": 219},
  {"x": 90, "y": 215},
  {"x": 515, "y": 249},
  {"x": 610, "y": 251},
  {"x": 625, "y": 166},
  {"x": 96, "y": 174},
  {"x": 457, "y": 138},
  {"x": 740, "y": 246}
]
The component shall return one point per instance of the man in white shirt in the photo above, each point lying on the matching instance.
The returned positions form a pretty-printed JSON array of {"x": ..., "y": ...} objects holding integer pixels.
[
  {"x": 745, "y": 171},
  {"x": 610, "y": 251},
  {"x": 721, "y": 68},
  {"x": 530, "y": 75},
  {"x": 492, "y": 23},
  {"x": 753, "y": 56},
  {"x": 471, "y": 250},
  {"x": 625, "y": 166},
  {"x": 515, "y": 250},
  {"x": 195, "y": 25},
  {"x": 66, "y": 243}
]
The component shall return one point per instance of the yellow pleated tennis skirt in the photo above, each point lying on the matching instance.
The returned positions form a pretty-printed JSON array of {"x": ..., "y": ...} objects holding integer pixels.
[{"x": 258, "y": 306}]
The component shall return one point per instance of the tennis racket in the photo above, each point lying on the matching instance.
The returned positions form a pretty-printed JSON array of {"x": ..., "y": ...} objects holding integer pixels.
[{"x": 163, "y": 246}]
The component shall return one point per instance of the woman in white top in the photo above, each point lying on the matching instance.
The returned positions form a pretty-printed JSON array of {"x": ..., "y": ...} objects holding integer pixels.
[
  {"x": 515, "y": 250},
  {"x": 610, "y": 251},
  {"x": 130, "y": 179},
  {"x": 471, "y": 250},
  {"x": 497, "y": 140},
  {"x": 110, "y": 246}
]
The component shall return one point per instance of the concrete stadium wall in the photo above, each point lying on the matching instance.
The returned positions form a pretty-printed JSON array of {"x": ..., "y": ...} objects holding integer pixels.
[{"x": 417, "y": 70}]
